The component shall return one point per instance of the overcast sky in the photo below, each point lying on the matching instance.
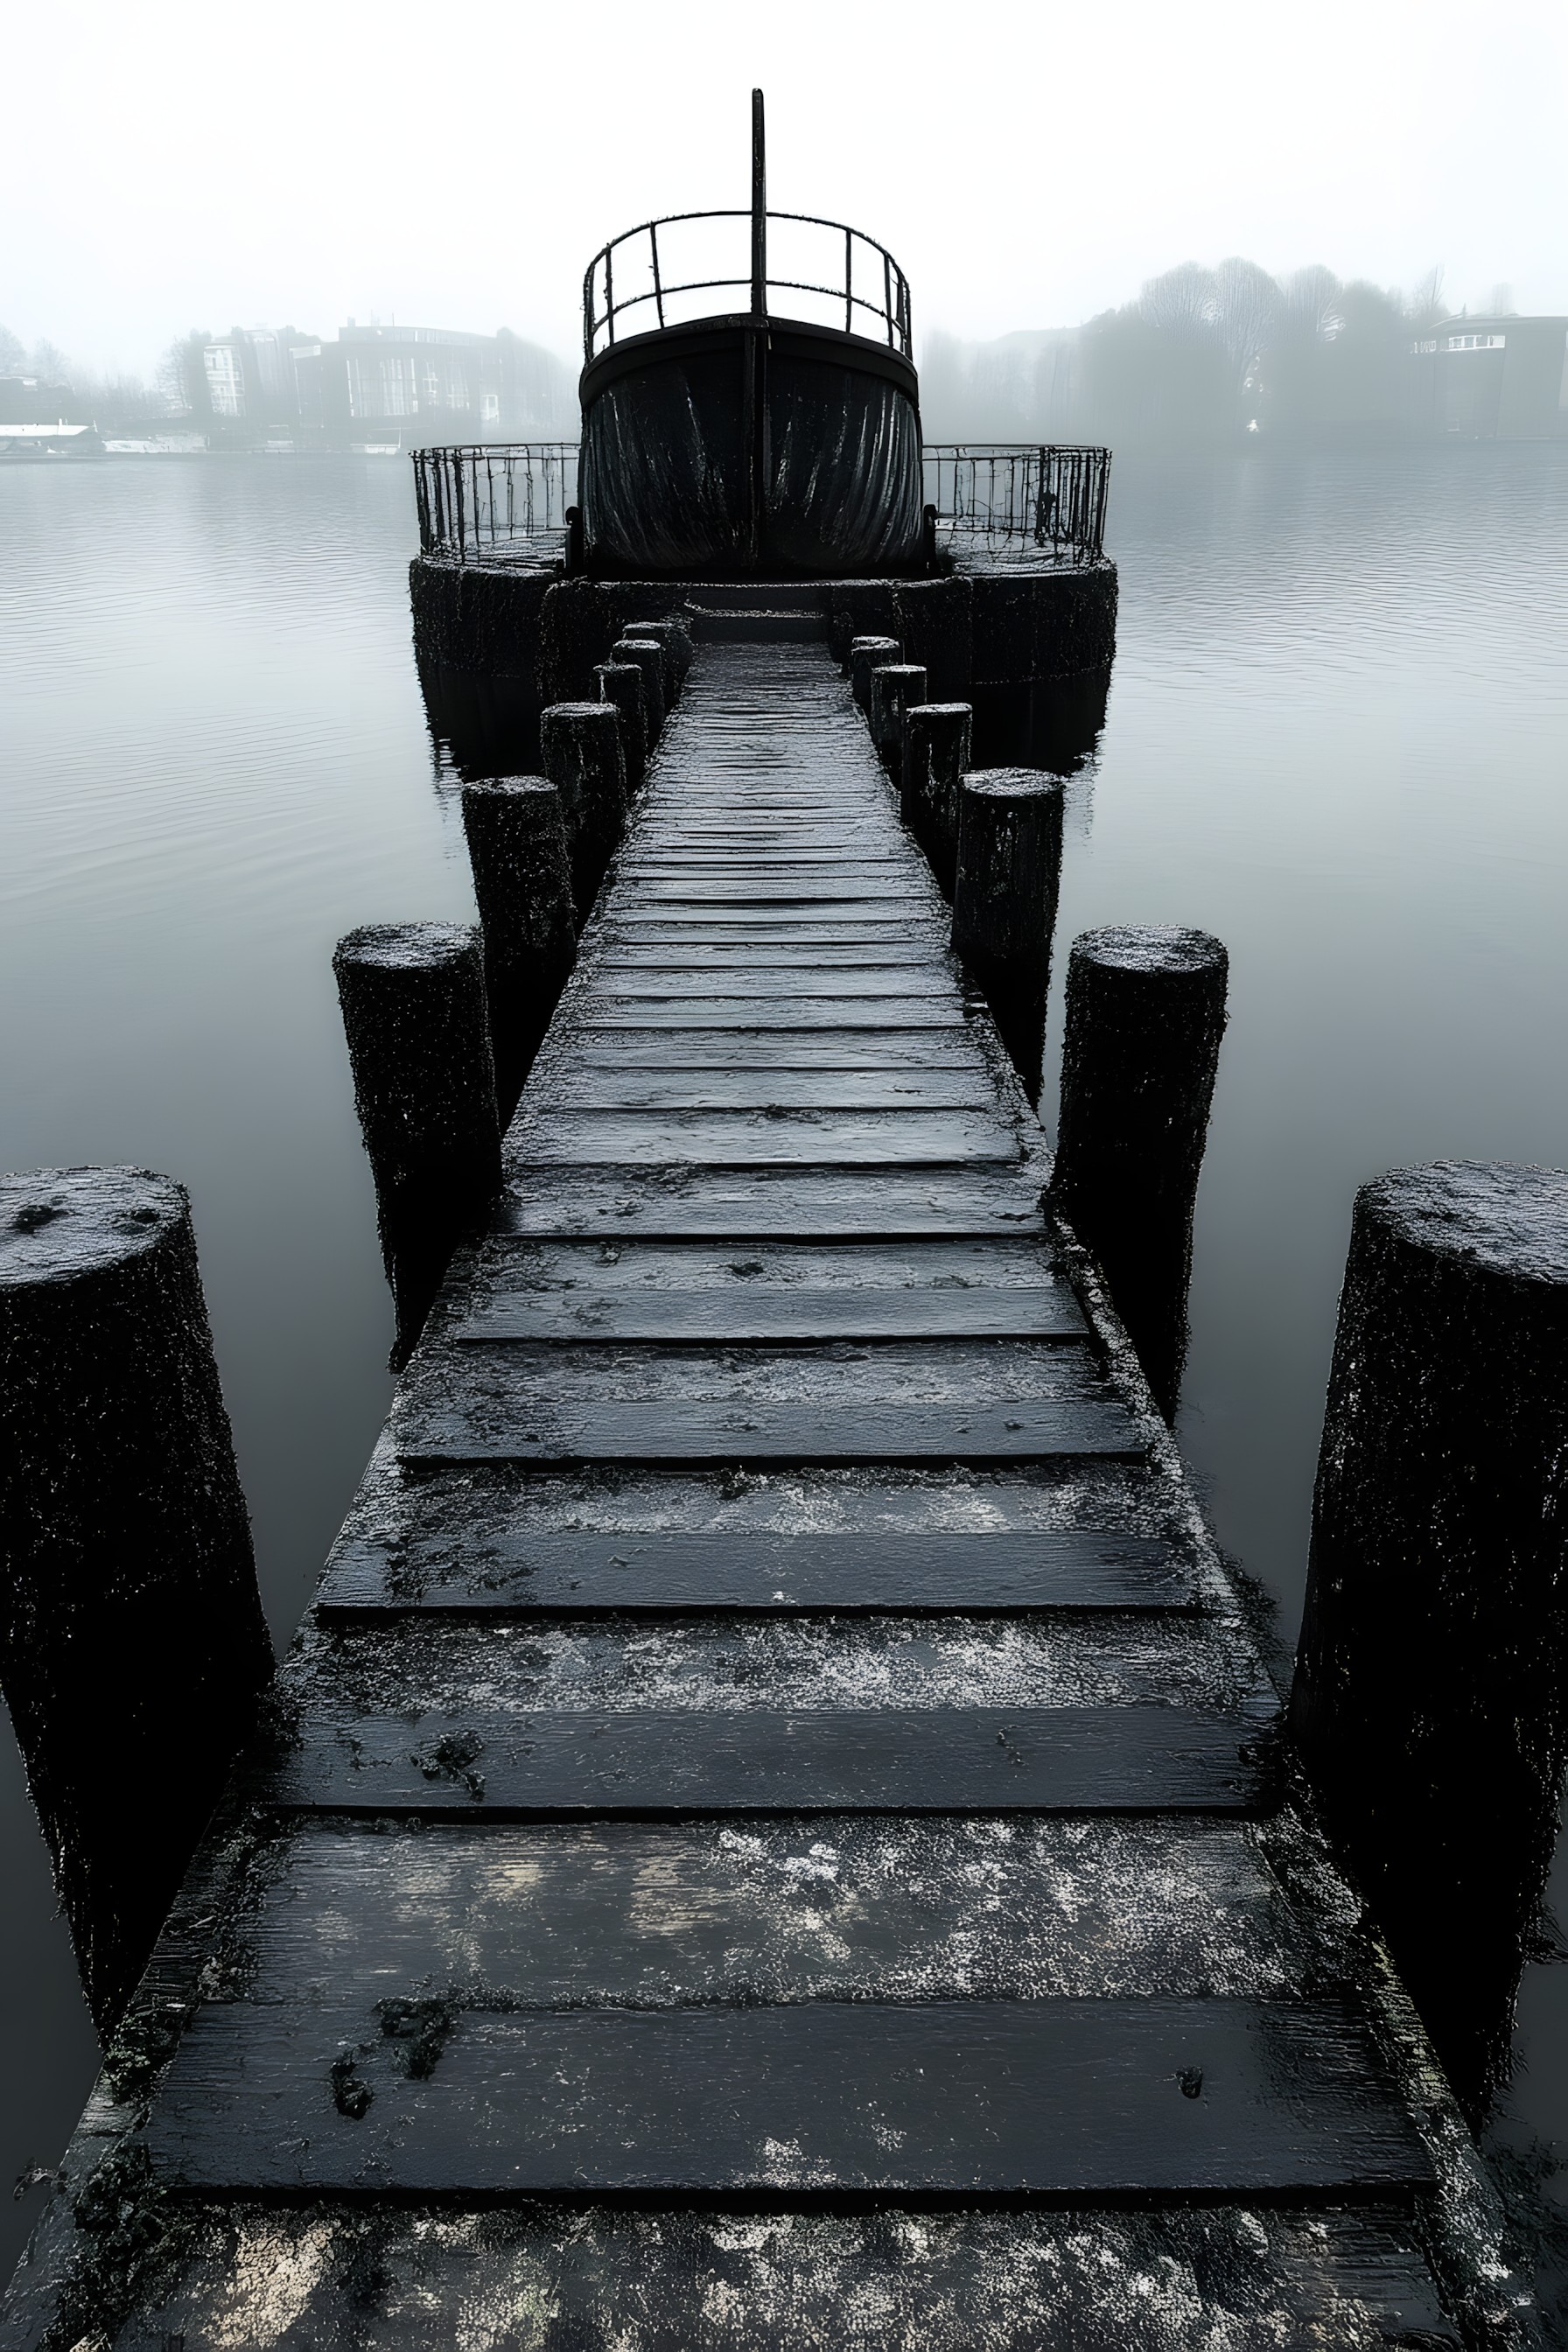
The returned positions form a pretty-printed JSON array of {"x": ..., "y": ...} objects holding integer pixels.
[{"x": 305, "y": 160}]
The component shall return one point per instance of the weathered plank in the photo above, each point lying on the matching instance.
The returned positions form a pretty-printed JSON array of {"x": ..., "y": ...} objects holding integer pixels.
[
  {"x": 764, "y": 1051},
  {"x": 612, "y": 1084},
  {"x": 992, "y": 2098},
  {"x": 741, "y": 1205},
  {"x": 358, "y": 2275},
  {"x": 575, "y": 1571},
  {"x": 771, "y": 1137},
  {"x": 628, "y": 980},
  {"x": 838, "y": 1907},
  {"x": 740, "y": 1313},
  {"x": 653, "y": 1762},
  {"x": 602, "y": 1009}
]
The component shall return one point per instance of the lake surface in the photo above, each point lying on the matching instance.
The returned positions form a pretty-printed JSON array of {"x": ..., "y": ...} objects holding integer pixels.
[{"x": 1337, "y": 736}]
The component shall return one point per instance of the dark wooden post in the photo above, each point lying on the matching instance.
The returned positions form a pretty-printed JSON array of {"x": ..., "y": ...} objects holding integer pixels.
[
  {"x": 412, "y": 998},
  {"x": 649, "y": 655},
  {"x": 523, "y": 884},
  {"x": 675, "y": 635},
  {"x": 1145, "y": 1014},
  {"x": 621, "y": 683},
  {"x": 1006, "y": 877},
  {"x": 583, "y": 749},
  {"x": 1428, "y": 1702},
  {"x": 132, "y": 1647},
  {"x": 894, "y": 687},
  {"x": 937, "y": 738},
  {"x": 867, "y": 654}
]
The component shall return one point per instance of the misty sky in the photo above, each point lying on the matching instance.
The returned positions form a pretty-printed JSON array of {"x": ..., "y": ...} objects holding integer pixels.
[{"x": 303, "y": 163}]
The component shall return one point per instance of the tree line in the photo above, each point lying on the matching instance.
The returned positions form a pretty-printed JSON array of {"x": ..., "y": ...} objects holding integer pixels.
[{"x": 1202, "y": 356}]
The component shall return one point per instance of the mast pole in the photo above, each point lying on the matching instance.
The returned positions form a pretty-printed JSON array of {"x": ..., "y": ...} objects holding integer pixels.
[
  {"x": 755, "y": 394},
  {"x": 759, "y": 211}
]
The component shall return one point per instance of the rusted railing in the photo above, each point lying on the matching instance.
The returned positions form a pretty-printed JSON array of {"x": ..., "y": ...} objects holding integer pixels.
[
  {"x": 490, "y": 493},
  {"x": 668, "y": 272},
  {"x": 1020, "y": 495}
]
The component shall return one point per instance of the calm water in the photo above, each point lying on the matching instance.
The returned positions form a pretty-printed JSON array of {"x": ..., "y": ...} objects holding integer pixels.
[{"x": 1337, "y": 735}]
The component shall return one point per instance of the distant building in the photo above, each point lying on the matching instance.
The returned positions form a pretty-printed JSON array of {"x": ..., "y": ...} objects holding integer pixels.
[
  {"x": 377, "y": 386},
  {"x": 1503, "y": 378},
  {"x": 43, "y": 420}
]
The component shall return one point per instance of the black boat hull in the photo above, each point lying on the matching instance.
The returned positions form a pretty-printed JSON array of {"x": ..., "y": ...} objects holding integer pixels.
[{"x": 725, "y": 448}]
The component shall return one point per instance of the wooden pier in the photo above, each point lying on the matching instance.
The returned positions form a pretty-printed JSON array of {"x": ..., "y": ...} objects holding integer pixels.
[{"x": 771, "y": 1832}]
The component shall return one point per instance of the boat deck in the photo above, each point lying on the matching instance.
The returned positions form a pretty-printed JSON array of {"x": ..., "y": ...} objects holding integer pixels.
[{"x": 771, "y": 1833}]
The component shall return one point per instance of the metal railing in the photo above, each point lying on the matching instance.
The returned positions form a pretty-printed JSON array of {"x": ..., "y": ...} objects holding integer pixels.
[
  {"x": 633, "y": 273},
  {"x": 1000, "y": 493},
  {"x": 473, "y": 499},
  {"x": 484, "y": 494}
]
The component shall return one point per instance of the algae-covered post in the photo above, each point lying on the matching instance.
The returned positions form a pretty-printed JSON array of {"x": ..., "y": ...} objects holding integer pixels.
[
  {"x": 866, "y": 655},
  {"x": 649, "y": 655},
  {"x": 132, "y": 1647},
  {"x": 1145, "y": 1014},
  {"x": 1429, "y": 1688},
  {"x": 582, "y": 750},
  {"x": 412, "y": 998},
  {"x": 621, "y": 683},
  {"x": 895, "y": 685},
  {"x": 937, "y": 739},
  {"x": 523, "y": 885},
  {"x": 1007, "y": 876}
]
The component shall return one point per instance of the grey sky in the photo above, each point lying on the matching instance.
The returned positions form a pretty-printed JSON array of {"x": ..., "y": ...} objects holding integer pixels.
[{"x": 206, "y": 165}]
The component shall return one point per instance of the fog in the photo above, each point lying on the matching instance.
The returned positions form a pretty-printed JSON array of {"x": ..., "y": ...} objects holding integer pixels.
[{"x": 1029, "y": 168}]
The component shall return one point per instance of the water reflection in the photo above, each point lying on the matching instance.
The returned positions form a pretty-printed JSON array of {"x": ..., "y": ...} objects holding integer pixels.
[{"x": 1336, "y": 737}]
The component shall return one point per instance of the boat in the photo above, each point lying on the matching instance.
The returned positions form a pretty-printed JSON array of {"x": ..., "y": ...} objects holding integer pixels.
[{"x": 777, "y": 435}]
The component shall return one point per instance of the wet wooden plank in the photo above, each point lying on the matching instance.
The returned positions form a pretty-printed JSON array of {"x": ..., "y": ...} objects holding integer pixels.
[
  {"x": 656, "y": 1763},
  {"x": 612, "y": 1084},
  {"x": 607, "y": 2278},
  {"x": 577, "y": 1571},
  {"x": 1050, "y": 2099},
  {"x": 770, "y": 1138},
  {"x": 819, "y": 1907},
  {"x": 741, "y": 1313},
  {"x": 741, "y": 1204},
  {"x": 534, "y": 1428},
  {"x": 607, "y": 1011},
  {"x": 628, "y": 981},
  {"x": 765, "y": 1052}
]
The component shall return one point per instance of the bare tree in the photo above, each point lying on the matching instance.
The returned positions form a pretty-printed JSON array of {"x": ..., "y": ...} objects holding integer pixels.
[
  {"x": 1182, "y": 301},
  {"x": 11, "y": 353},
  {"x": 1247, "y": 310},
  {"x": 1312, "y": 306}
]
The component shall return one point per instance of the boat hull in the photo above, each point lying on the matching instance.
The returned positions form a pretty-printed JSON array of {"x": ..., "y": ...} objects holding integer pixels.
[{"x": 723, "y": 449}]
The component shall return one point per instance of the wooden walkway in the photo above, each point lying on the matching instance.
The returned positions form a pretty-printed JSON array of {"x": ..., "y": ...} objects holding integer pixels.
[{"x": 770, "y": 1833}]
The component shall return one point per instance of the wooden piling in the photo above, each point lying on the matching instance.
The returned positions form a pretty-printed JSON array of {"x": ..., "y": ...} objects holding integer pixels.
[
  {"x": 675, "y": 636},
  {"x": 1007, "y": 872},
  {"x": 583, "y": 750},
  {"x": 132, "y": 1645},
  {"x": 867, "y": 654},
  {"x": 937, "y": 738},
  {"x": 1145, "y": 1014},
  {"x": 649, "y": 655},
  {"x": 895, "y": 686},
  {"x": 412, "y": 998},
  {"x": 523, "y": 883},
  {"x": 621, "y": 684},
  {"x": 1429, "y": 1695}
]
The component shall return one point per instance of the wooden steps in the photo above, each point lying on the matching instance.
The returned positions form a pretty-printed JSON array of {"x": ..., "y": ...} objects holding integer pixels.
[{"x": 771, "y": 1831}]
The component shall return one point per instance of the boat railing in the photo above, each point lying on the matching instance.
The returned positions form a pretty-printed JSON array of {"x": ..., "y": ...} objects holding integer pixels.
[
  {"x": 484, "y": 494},
  {"x": 667, "y": 272},
  {"x": 478, "y": 497},
  {"x": 1026, "y": 495}
]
